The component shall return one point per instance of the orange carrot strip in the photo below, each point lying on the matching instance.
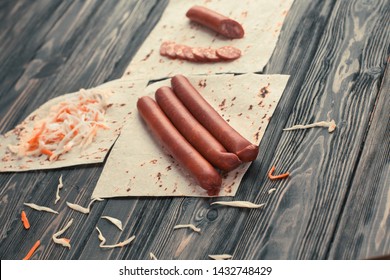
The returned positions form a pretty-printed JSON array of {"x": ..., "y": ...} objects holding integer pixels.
[
  {"x": 91, "y": 101},
  {"x": 273, "y": 177},
  {"x": 32, "y": 250},
  {"x": 84, "y": 108},
  {"x": 60, "y": 112},
  {"x": 72, "y": 126},
  {"x": 101, "y": 125},
  {"x": 47, "y": 152},
  {"x": 66, "y": 239},
  {"x": 34, "y": 140},
  {"x": 25, "y": 221},
  {"x": 33, "y": 147}
]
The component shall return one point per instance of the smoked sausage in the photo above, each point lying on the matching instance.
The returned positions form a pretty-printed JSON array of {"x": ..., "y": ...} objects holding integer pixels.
[
  {"x": 194, "y": 132},
  {"x": 212, "y": 121},
  {"x": 215, "y": 21},
  {"x": 161, "y": 127}
]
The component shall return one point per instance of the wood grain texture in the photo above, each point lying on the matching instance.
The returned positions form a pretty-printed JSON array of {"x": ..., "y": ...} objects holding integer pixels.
[
  {"x": 364, "y": 229},
  {"x": 338, "y": 85},
  {"x": 336, "y": 53},
  {"x": 84, "y": 48}
]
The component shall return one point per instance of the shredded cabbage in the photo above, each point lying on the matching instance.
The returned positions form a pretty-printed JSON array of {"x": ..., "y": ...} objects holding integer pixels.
[{"x": 73, "y": 122}]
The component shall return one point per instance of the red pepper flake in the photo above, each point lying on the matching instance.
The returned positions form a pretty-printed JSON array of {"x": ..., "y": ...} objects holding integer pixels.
[
  {"x": 265, "y": 90},
  {"x": 202, "y": 83},
  {"x": 273, "y": 177}
]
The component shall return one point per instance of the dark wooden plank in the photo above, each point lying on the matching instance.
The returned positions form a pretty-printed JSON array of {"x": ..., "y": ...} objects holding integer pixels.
[
  {"x": 364, "y": 229},
  {"x": 82, "y": 50},
  {"x": 221, "y": 228},
  {"x": 91, "y": 43},
  {"x": 32, "y": 88},
  {"x": 342, "y": 83},
  {"x": 140, "y": 217},
  {"x": 24, "y": 26}
]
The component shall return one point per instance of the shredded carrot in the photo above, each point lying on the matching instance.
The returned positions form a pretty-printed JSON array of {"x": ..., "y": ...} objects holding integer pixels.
[
  {"x": 273, "y": 177},
  {"x": 73, "y": 122},
  {"x": 25, "y": 221},
  {"x": 102, "y": 125},
  {"x": 63, "y": 241},
  {"x": 46, "y": 152},
  {"x": 84, "y": 108},
  {"x": 91, "y": 101},
  {"x": 35, "y": 137},
  {"x": 34, "y": 140},
  {"x": 32, "y": 250}
]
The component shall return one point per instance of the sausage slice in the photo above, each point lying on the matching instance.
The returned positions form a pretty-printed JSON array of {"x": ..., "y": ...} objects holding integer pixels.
[
  {"x": 228, "y": 53},
  {"x": 199, "y": 54},
  {"x": 211, "y": 55}
]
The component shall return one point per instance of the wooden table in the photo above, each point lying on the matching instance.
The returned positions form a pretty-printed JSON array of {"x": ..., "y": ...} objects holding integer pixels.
[{"x": 334, "y": 205}]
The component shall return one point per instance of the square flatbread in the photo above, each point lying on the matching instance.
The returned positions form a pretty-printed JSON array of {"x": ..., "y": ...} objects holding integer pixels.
[
  {"x": 262, "y": 21},
  {"x": 119, "y": 97},
  {"x": 137, "y": 164}
]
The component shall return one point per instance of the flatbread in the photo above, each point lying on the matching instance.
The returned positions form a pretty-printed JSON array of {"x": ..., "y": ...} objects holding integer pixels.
[
  {"x": 137, "y": 164},
  {"x": 119, "y": 98},
  {"x": 262, "y": 21}
]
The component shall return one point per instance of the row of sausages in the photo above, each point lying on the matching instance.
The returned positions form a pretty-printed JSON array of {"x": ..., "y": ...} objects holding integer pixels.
[{"x": 194, "y": 133}]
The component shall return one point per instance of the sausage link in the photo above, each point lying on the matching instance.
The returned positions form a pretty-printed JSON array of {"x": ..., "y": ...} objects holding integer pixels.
[
  {"x": 215, "y": 21},
  {"x": 194, "y": 132},
  {"x": 160, "y": 126},
  {"x": 212, "y": 121}
]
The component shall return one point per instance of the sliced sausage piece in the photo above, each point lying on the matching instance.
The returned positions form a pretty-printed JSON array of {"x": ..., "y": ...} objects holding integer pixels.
[
  {"x": 161, "y": 127},
  {"x": 199, "y": 54},
  {"x": 179, "y": 51},
  {"x": 167, "y": 48},
  {"x": 194, "y": 132},
  {"x": 188, "y": 54},
  {"x": 170, "y": 50},
  {"x": 212, "y": 121},
  {"x": 215, "y": 21},
  {"x": 228, "y": 53},
  {"x": 163, "y": 49},
  {"x": 211, "y": 55}
]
